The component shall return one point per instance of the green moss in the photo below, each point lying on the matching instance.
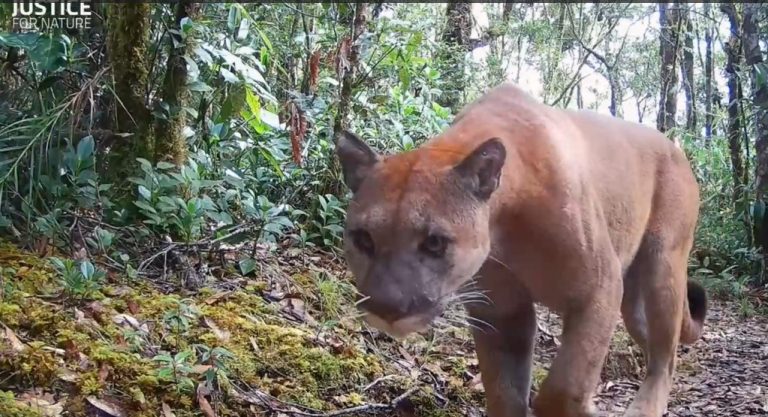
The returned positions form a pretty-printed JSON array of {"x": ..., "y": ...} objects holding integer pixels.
[
  {"x": 286, "y": 359},
  {"x": 32, "y": 367},
  {"x": 13, "y": 408}
]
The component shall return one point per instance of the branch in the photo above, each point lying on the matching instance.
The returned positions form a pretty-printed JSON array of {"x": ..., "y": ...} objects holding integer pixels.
[{"x": 262, "y": 399}]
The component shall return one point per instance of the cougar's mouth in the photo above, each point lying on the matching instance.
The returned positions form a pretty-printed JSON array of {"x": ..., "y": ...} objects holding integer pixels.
[{"x": 400, "y": 327}]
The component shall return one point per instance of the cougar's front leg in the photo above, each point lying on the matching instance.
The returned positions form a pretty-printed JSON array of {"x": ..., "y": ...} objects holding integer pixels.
[
  {"x": 504, "y": 342},
  {"x": 587, "y": 328}
]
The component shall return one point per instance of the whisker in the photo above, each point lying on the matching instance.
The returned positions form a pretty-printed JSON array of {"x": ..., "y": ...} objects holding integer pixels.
[
  {"x": 362, "y": 300},
  {"x": 493, "y": 258},
  {"x": 483, "y": 322}
]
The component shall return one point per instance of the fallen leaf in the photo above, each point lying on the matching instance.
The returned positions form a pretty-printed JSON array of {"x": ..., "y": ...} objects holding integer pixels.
[
  {"x": 133, "y": 306},
  {"x": 103, "y": 373},
  {"x": 222, "y": 335},
  {"x": 215, "y": 298},
  {"x": 122, "y": 319},
  {"x": 477, "y": 383},
  {"x": 205, "y": 406},
  {"x": 295, "y": 309},
  {"x": 67, "y": 375},
  {"x": 167, "y": 412},
  {"x": 13, "y": 340},
  {"x": 43, "y": 403},
  {"x": 109, "y": 407},
  {"x": 255, "y": 345}
]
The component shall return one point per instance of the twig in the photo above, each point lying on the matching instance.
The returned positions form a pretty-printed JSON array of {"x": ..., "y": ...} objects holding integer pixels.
[{"x": 262, "y": 399}]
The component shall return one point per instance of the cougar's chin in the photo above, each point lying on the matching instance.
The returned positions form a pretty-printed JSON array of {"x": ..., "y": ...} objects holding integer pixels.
[{"x": 403, "y": 327}]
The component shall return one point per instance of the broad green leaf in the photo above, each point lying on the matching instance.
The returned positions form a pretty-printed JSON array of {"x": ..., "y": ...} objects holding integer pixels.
[
  {"x": 247, "y": 266},
  {"x": 85, "y": 148},
  {"x": 271, "y": 119},
  {"x": 199, "y": 87},
  {"x": 87, "y": 269},
  {"x": 253, "y": 103},
  {"x": 229, "y": 76}
]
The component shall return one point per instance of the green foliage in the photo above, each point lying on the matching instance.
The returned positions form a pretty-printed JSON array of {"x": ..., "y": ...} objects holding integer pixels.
[
  {"x": 78, "y": 281},
  {"x": 176, "y": 369}
]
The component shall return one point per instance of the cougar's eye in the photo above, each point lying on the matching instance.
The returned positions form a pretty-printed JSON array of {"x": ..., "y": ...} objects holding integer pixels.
[
  {"x": 363, "y": 241},
  {"x": 434, "y": 245}
]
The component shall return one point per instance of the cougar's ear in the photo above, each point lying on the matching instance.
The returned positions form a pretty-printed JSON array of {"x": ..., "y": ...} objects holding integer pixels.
[
  {"x": 480, "y": 171},
  {"x": 356, "y": 159}
]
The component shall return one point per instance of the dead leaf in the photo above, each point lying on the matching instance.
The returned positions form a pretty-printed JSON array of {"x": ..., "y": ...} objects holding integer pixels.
[
  {"x": 200, "y": 369},
  {"x": 13, "y": 340},
  {"x": 44, "y": 403},
  {"x": 205, "y": 406},
  {"x": 107, "y": 406},
  {"x": 295, "y": 309},
  {"x": 314, "y": 70},
  {"x": 103, "y": 373},
  {"x": 122, "y": 319},
  {"x": 215, "y": 298},
  {"x": 342, "y": 56},
  {"x": 167, "y": 412},
  {"x": 222, "y": 335},
  {"x": 133, "y": 307},
  {"x": 255, "y": 345},
  {"x": 477, "y": 383},
  {"x": 298, "y": 123},
  {"x": 67, "y": 375}
]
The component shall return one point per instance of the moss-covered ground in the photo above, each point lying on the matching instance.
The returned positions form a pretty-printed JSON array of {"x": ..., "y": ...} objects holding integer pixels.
[{"x": 245, "y": 346}]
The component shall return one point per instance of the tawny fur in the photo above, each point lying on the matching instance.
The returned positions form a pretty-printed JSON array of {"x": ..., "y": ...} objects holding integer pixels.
[{"x": 593, "y": 217}]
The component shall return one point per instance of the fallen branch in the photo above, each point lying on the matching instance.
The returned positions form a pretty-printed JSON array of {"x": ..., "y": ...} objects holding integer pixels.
[{"x": 265, "y": 400}]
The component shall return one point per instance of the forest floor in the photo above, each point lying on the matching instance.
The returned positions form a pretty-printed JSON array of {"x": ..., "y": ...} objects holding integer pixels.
[{"x": 285, "y": 340}]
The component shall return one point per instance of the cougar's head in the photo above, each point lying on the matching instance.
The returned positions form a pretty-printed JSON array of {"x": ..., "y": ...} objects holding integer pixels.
[{"x": 417, "y": 228}]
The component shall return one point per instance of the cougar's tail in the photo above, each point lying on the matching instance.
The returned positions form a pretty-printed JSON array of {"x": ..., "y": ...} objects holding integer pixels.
[{"x": 694, "y": 314}]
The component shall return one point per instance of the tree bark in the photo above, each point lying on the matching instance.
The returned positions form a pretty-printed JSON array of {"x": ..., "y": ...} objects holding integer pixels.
[
  {"x": 170, "y": 143},
  {"x": 669, "y": 23},
  {"x": 734, "y": 53},
  {"x": 754, "y": 59},
  {"x": 709, "y": 117},
  {"x": 456, "y": 44},
  {"x": 686, "y": 69},
  {"x": 127, "y": 48},
  {"x": 350, "y": 73}
]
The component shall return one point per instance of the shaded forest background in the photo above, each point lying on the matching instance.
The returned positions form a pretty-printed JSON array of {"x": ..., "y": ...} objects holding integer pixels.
[{"x": 183, "y": 143}]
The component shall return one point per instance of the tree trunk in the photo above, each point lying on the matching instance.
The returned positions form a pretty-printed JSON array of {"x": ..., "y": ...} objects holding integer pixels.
[
  {"x": 669, "y": 23},
  {"x": 170, "y": 143},
  {"x": 709, "y": 117},
  {"x": 733, "y": 52},
  {"x": 754, "y": 59},
  {"x": 350, "y": 73},
  {"x": 686, "y": 69},
  {"x": 127, "y": 48},
  {"x": 579, "y": 96},
  {"x": 456, "y": 44}
]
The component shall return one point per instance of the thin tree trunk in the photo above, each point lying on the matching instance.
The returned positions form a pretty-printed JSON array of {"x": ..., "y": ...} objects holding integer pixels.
[
  {"x": 456, "y": 44},
  {"x": 733, "y": 52},
  {"x": 686, "y": 69},
  {"x": 708, "y": 75},
  {"x": 669, "y": 23},
  {"x": 579, "y": 96},
  {"x": 349, "y": 75},
  {"x": 170, "y": 143}
]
